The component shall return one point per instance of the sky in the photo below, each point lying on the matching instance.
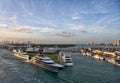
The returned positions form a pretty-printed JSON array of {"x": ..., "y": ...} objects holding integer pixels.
[{"x": 60, "y": 21}]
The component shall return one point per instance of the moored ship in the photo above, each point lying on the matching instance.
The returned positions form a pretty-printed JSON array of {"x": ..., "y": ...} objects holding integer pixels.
[
  {"x": 98, "y": 57},
  {"x": 114, "y": 61},
  {"x": 20, "y": 54},
  {"x": 65, "y": 59},
  {"x": 45, "y": 63}
]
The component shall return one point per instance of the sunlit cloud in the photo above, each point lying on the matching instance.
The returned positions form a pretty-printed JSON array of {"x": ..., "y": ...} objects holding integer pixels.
[
  {"x": 12, "y": 18},
  {"x": 20, "y": 29},
  {"x": 3, "y": 25}
]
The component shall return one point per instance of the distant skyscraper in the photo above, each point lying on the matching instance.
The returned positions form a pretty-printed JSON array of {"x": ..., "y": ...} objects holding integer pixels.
[
  {"x": 114, "y": 43},
  {"x": 91, "y": 43},
  {"x": 118, "y": 42}
]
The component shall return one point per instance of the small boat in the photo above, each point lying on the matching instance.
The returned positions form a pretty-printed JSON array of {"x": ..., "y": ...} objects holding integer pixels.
[
  {"x": 114, "y": 61},
  {"x": 22, "y": 55},
  {"x": 86, "y": 53},
  {"x": 98, "y": 57},
  {"x": 117, "y": 62},
  {"x": 45, "y": 63},
  {"x": 14, "y": 51},
  {"x": 65, "y": 59}
]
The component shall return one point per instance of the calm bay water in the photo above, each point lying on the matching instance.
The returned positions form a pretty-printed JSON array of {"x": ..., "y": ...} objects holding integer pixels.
[{"x": 85, "y": 70}]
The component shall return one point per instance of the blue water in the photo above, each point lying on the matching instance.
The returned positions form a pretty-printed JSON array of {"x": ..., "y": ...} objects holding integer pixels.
[{"x": 85, "y": 70}]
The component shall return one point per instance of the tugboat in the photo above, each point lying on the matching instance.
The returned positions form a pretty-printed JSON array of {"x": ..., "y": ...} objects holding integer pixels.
[{"x": 45, "y": 63}]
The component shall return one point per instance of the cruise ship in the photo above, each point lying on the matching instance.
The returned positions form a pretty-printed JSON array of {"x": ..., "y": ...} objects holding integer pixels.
[
  {"x": 45, "y": 63},
  {"x": 65, "y": 59}
]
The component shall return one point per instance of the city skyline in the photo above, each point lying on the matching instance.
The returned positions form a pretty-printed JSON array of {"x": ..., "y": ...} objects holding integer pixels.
[{"x": 60, "y": 21}]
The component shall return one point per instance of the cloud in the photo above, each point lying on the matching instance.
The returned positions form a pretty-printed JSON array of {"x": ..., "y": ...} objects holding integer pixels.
[
  {"x": 97, "y": 7},
  {"x": 103, "y": 22},
  {"x": 25, "y": 9},
  {"x": 38, "y": 20},
  {"x": 113, "y": 19},
  {"x": 76, "y": 27},
  {"x": 12, "y": 18},
  {"x": 100, "y": 8},
  {"x": 20, "y": 29},
  {"x": 30, "y": 29},
  {"x": 46, "y": 29},
  {"x": 83, "y": 12},
  {"x": 84, "y": 31},
  {"x": 43, "y": 29},
  {"x": 76, "y": 17},
  {"x": 3, "y": 25},
  {"x": 65, "y": 34}
]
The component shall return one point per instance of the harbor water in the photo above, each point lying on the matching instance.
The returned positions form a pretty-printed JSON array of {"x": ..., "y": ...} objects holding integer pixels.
[{"x": 84, "y": 70}]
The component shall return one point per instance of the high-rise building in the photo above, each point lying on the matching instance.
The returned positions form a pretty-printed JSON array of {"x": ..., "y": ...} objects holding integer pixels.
[
  {"x": 115, "y": 43},
  {"x": 91, "y": 43},
  {"x": 118, "y": 42}
]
